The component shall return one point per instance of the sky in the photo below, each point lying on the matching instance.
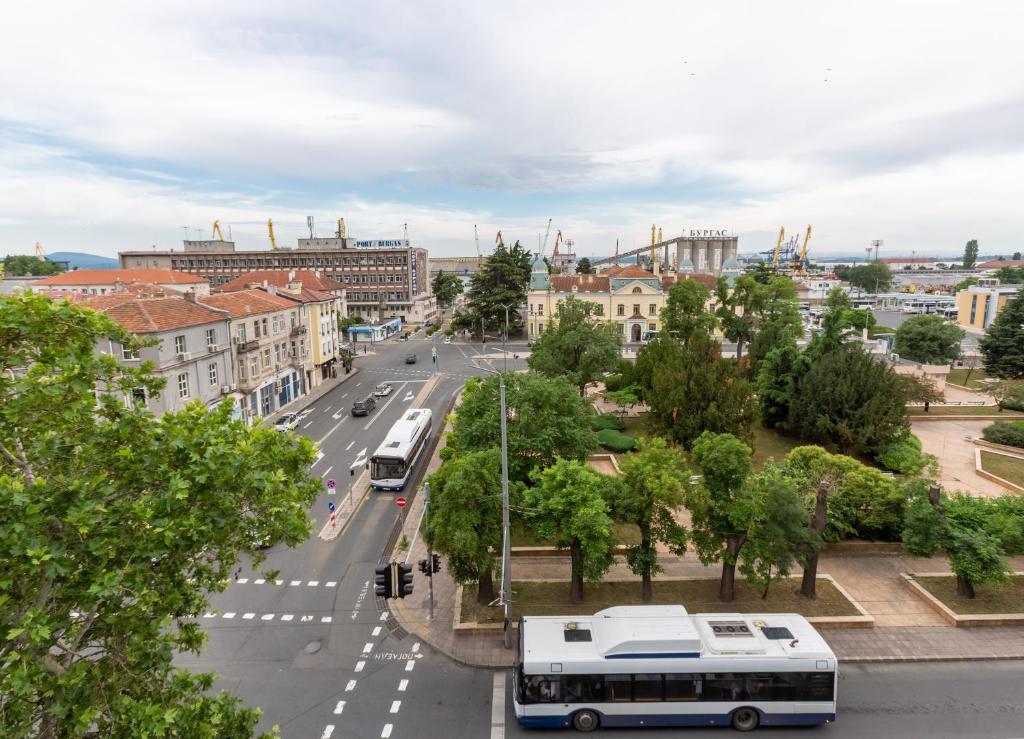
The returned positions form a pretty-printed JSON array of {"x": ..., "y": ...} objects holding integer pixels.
[{"x": 124, "y": 123}]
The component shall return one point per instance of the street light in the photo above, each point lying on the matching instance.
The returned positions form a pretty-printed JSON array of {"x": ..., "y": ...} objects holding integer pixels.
[
  {"x": 504, "y": 337},
  {"x": 506, "y": 548}
]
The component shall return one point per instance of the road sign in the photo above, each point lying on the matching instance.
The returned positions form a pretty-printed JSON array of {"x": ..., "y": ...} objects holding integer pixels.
[
  {"x": 331, "y": 484},
  {"x": 330, "y": 506},
  {"x": 400, "y": 502}
]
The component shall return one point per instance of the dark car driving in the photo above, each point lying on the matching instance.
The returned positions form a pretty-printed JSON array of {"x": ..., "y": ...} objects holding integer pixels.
[
  {"x": 364, "y": 407},
  {"x": 410, "y": 359}
]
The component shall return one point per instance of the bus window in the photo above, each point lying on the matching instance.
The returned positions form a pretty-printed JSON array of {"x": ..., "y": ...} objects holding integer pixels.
[
  {"x": 543, "y": 689},
  {"x": 584, "y": 689},
  {"x": 619, "y": 688},
  {"x": 722, "y": 686},
  {"x": 681, "y": 687},
  {"x": 647, "y": 688}
]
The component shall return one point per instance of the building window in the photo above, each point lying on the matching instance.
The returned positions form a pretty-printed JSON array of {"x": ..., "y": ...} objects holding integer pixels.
[
  {"x": 211, "y": 338},
  {"x": 241, "y": 369},
  {"x": 241, "y": 332},
  {"x": 256, "y": 328},
  {"x": 277, "y": 353},
  {"x": 183, "y": 385},
  {"x": 621, "y": 310},
  {"x": 212, "y": 369},
  {"x": 137, "y": 399},
  {"x": 637, "y": 290},
  {"x": 266, "y": 358},
  {"x": 974, "y": 307},
  {"x": 652, "y": 310},
  {"x": 128, "y": 352},
  {"x": 265, "y": 327},
  {"x": 254, "y": 367},
  {"x": 540, "y": 309},
  {"x": 636, "y": 309},
  {"x": 179, "y": 345},
  {"x": 652, "y": 326}
]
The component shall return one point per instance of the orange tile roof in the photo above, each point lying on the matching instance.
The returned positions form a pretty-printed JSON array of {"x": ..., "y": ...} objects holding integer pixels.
[
  {"x": 150, "y": 315},
  {"x": 583, "y": 283},
  {"x": 111, "y": 276},
  {"x": 997, "y": 263},
  {"x": 306, "y": 295},
  {"x": 280, "y": 278},
  {"x": 628, "y": 271},
  {"x": 244, "y": 303},
  {"x": 708, "y": 281}
]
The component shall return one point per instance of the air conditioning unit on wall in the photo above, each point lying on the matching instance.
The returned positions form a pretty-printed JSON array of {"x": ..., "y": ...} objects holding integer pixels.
[{"x": 184, "y": 356}]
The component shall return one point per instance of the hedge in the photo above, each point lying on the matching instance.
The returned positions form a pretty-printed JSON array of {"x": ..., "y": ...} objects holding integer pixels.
[
  {"x": 903, "y": 455},
  {"x": 606, "y": 421},
  {"x": 1010, "y": 433},
  {"x": 615, "y": 441}
]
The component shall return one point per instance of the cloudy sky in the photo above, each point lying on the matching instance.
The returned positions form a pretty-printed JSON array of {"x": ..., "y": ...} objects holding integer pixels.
[{"x": 121, "y": 123}]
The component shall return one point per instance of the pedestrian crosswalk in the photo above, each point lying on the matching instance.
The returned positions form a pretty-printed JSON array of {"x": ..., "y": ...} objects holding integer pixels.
[
  {"x": 295, "y": 618},
  {"x": 283, "y": 583}
]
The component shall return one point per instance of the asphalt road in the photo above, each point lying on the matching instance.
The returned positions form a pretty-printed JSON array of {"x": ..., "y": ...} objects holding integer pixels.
[{"x": 312, "y": 650}]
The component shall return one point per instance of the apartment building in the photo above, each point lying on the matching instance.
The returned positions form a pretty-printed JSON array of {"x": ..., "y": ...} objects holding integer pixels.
[
  {"x": 109, "y": 281},
  {"x": 271, "y": 348},
  {"x": 325, "y": 339},
  {"x": 978, "y": 305}
]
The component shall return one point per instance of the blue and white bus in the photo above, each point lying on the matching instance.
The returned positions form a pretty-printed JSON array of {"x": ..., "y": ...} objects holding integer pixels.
[
  {"x": 660, "y": 666},
  {"x": 392, "y": 463}
]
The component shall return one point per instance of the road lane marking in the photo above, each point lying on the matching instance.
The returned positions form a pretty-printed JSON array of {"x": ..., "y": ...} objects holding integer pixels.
[
  {"x": 287, "y": 617},
  {"x": 384, "y": 616},
  {"x": 328, "y": 408},
  {"x": 242, "y": 580},
  {"x": 333, "y": 429},
  {"x": 267, "y": 617},
  {"x": 259, "y": 581},
  {"x": 307, "y": 425},
  {"x": 350, "y": 686},
  {"x": 395, "y": 705},
  {"x": 350, "y": 445},
  {"x": 376, "y": 630},
  {"x": 368, "y": 647},
  {"x": 394, "y": 396},
  {"x": 402, "y": 685},
  {"x": 249, "y": 616},
  {"x": 278, "y": 582},
  {"x": 330, "y": 583},
  {"x": 498, "y": 706},
  {"x": 409, "y": 665},
  {"x": 328, "y": 730},
  {"x": 313, "y": 583},
  {"x": 325, "y": 619},
  {"x": 306, "y": 619},
  {"x": 325, "y": 472},
  {"x": 295, "y": 582},
  {"x": 319, "y": 456},
  {"x": 229, "y": 614},
  {"x": 386, "y": 731},
  {"x": 360, "y": 665},
  {"x": 209, "y": 615},
  {"x": 339, "y": 708},
  {"x": 344, "y": 395},
  {"x": 416, "y": 647}
]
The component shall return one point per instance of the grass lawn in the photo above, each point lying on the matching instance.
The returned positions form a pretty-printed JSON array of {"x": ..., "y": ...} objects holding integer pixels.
[
  {"x": 624, "y": 533},
  {"x": 698, "y": 596},
  {"x": 639, "y": 427},
  {"x": 1005, "y": 467},
  {"x": 962, "y": 410},
  {"x": 877, "y": 330},
  {"x": 1006, "y": 598},
  {"x": 959, "y": 377},
  {"x": 769, "y": 443}
]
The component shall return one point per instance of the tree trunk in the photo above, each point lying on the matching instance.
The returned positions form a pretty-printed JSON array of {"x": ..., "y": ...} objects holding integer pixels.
[
  {"x": 485, "y": 588},
  {"x": 809, "y": 583},
  {"x": 576, "y": 577},
  {"x": 727, "y": 587},
  {"x": 964, "y": 587},
  {"x": 645, "y": 576},
  {"x": 739, "y": 349}
]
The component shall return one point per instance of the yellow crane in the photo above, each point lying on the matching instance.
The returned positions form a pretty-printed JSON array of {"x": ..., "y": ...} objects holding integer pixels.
[
  {"x": 558, "y": 240},
  {"x": 653, "y": 242},
  {"x": 40, "y": 254},
  {"x": 778, "y": 247},
  {"x": 497, "y": 239},
  {"x": 802, "y": 266},
  {"x": 217, "y": 233},
  {"x": 479, "y": 255},
  {"x": 270, "y": 230},
  {"x": 341, "y": 228}
]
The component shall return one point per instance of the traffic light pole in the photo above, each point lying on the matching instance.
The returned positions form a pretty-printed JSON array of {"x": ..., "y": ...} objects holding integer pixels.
[{"x": 430, "y": 554}]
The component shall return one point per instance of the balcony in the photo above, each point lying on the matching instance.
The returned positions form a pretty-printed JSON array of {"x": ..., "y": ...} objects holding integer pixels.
[
  {"x": 246, "y": 346},
  {"x": 297, "y": 331}
]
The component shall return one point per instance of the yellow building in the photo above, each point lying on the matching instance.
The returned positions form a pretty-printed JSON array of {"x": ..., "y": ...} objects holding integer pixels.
[
  {"x": 630, "y": 297},
  {"x": 978, "y": 305}
]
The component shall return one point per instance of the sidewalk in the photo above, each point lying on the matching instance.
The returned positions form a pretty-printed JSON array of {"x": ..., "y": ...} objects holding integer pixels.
[
  {"x": 905, "y": 628},
  {"x": 300, "y": 404}
]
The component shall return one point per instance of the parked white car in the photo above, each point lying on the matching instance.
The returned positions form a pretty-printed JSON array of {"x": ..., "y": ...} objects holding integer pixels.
[
  {"x": 382, "y": 390},
  {"x": 287, "y": 422}
]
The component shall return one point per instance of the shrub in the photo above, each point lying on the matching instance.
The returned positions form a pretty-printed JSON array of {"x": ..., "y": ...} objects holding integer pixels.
[
  {"x": 432, "y": 329},
  {"x": 615, "y": 441},
  {"x": 607, "y": 421},
  {"x": 1010, "y": 433},
  {"x": 903, "y": 455},
  {"x": 449, "y": 332}
]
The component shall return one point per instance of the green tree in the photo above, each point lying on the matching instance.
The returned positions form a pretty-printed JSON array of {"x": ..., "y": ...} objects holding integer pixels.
[
  {"x": 653, "y": 484},
  {"x": 567, "y": 505},
  {"x": 446, "y": 288},
  {"x": 1002, "y": 346},
  {"x": 723, "y": 505},
  {"x": 19, "y": 265},
  {"x": 971, "y": 254},
  {"x": 837, "y": 304},
  {"x": 762, "y": 272},
  {"x": 114, "y": 526},
  {"x": 547, "y": 418},
  {"x": 347, "y": 322},
  {"x": 584, "y": 267},
  {"x": 1008, "y": 394},
  {"x": 575, "y": 345},
  {"x": 685, "y": 313},
  {"x": 965, "y": 283},
  {"x": 1016, "y": 256},
  {"x": 737, "y": 309},
  {"x": 501, "y": 281},
  {"x": 929, "y": 340},
  {"x": 1010, "y": 275},
  {"x": 778, "y": 317},
  {"x": 776, "y": 383},
  {"x": 873, "y": 277},
  {"x": 625, "y": 398},
  {"x": 849, "y": 400},
  {"x": 464, "y": 521},
  {"x": 778, "y": 535}
]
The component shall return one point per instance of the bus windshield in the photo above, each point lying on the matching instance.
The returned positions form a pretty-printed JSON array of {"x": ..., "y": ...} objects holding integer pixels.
[{"x": 383, "y": 468}]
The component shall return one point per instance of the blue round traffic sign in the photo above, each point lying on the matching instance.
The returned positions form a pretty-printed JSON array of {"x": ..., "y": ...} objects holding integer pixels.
[{"x": 330, "y": 506}]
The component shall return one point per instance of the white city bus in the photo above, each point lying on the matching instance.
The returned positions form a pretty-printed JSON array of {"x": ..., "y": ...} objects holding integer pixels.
[
  {"x": 392, "y": 463},
  {"x": 660, "y": 666}
]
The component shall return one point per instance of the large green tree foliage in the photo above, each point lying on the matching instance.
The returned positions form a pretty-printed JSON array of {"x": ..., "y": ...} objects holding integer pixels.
[
  {"x": 584, "y": 267},
  {"x": 873, "y": 277},
  {"x": 776, "y": 382},
  {"x": 568, "y": 505},
  {"x": 20, "y": 265},
  {"x": 1010, "y": 275},
  {"x": 723, "y": 506},
  {"x": 928, "y": 339},
  {"x": 833, "y": 323},
  {"x": 692, "y": 389},
  {"x": 113, "y": 526},
  {"x": 849, "y": 400},
  {"x": 778, "y": 317},
  {"x": 737, "y": 308},
  {"x": 971, "y": 254},
  {"x": 652, "y": 488},
  {"x": 501, "y": 281},
  {"x": 576, "y": 345},
  {"x": 1002, "y": 346},
  {"x": 547, "y": 418},
  {"x": 464, "y": 521},
  {"x": 446, "y": 288},
  {"x": 685, "y": 314}
]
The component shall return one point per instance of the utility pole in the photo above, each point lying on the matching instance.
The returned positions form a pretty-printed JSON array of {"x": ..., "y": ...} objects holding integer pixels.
[
  {"x": 506, "y": 546},
  {"x": 430, "y": 553}
]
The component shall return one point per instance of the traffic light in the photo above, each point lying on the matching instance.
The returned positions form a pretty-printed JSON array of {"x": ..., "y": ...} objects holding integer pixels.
[
  {"x": 382, "y": 581},
  {"x": 404, "y": 580},
  {"x": 423, "y": 567},
  {"x": 435, "y": 562}
]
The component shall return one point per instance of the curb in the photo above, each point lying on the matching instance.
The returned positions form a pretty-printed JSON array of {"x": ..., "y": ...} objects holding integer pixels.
[
  {"x": 926, "y": 658},
  {"x": 268, "y": 420}
]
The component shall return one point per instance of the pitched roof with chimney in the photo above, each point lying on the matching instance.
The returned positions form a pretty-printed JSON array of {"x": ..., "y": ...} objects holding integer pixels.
[
  {"x": 708, "y": 281},
  {"x": 111, "y": 276},
  {"x": 624, "y": 273},
  {"x": 152, "y": 315},
  {"x": 582, "y": 283},
  {"x": 306, "y": 295},
  {"x": 280, "y": 278},
  {"x": 244, "y": 303}
]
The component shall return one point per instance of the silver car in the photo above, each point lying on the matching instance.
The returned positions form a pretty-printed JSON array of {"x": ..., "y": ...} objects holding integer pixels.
[{"x": 382, "y": 390}]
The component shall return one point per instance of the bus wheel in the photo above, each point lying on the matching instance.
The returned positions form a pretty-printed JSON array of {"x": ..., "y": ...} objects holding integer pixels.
[
  {"x": 745, "y": 719},
  {"x": 585, "y": 721}
]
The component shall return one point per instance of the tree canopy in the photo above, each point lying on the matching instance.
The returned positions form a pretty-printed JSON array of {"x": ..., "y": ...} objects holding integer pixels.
[
  {"x": 928, "y": 339},
  {"x": 685, "y": 313},
  {"x": 873, "y": 277},
  {"x": 20, "y": 265},
  {"x": 91, "y": 617},
  {"x": 501, "y": 281},
  {"x": 446, "y": 288},
  {"x": 1010, "y": 275},
  {"x": 584, "y": 267},
  {"x": 971, "y": 254},
  {"x": 575, "y": 345},
  {"x": 1002, "y": 346}
]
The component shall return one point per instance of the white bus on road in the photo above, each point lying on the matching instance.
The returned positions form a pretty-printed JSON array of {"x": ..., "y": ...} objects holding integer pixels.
[
  {"x": 392, "y": 463},
  {"x": 660, "y": 666}
]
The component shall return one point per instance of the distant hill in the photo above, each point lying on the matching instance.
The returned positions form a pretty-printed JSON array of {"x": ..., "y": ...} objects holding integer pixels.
[{"x": 81, "y": 260}]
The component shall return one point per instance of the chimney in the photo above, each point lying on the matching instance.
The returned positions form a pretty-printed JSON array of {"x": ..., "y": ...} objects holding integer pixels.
[
  {"x": 291, "y": 275},
  {"x": 294, "y": 287},
  {"x": 190, "y": 296}
]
